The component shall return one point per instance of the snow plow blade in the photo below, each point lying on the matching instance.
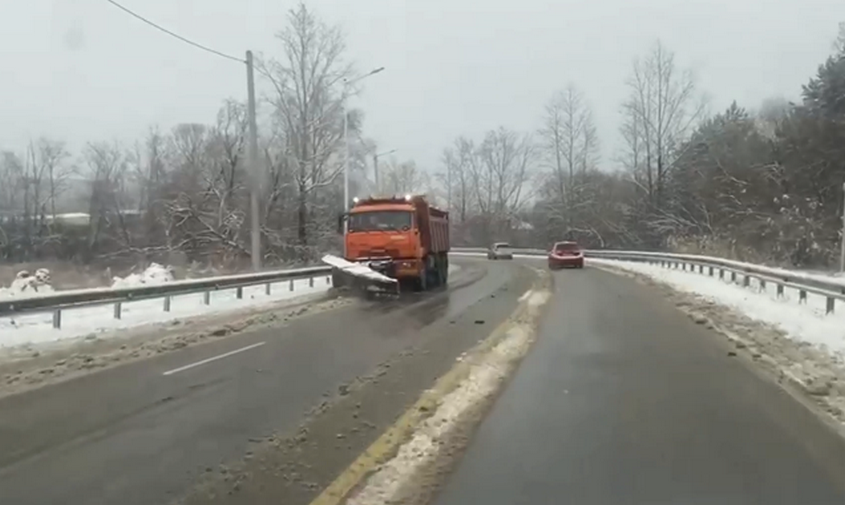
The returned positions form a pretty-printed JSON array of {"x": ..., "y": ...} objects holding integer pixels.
[{"x": 359, "y": 277}]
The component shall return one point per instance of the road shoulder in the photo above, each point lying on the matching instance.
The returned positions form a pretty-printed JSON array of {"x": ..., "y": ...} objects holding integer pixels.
[{"x": 813, "y": 377}]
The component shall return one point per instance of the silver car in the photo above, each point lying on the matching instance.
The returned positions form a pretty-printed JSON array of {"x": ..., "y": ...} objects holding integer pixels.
[{"x": 500, "y": 251}]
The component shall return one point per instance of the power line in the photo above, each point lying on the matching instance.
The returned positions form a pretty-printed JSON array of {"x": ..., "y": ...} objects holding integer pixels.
[{"x": 176, "y": 35}]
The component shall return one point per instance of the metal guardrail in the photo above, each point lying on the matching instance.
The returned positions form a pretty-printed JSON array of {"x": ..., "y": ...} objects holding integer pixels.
[
  {"x": 66, "y": 300},
  {"x": 832, "y": 290}
]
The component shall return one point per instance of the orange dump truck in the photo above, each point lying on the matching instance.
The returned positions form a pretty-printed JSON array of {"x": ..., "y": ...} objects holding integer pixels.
[{"x": 402, "y": 237}]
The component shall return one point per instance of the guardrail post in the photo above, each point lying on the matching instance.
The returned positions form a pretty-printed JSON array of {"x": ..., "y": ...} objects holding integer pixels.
[
  {"x": 829, "y": 305},
  {"x": 311, "y": 282},
  {"x": 267, "y": 289},
  {"x": 762, "y": 285},
  {"x": 57, "y": 319},
  {"x": 167, "y": 304},
  {"x": 721, "y": 273},
  {"x": 118, "y": 310},
  {"x": 780, "y": 290},
  {"x": 206, "y": 297},
  {"x": 733, "y": 276},
  {"x": 746, "y": 281},
  {"x": 701, "y": 269},
  {"x": 328, "y": 280},
  {"x": 710, "y": 271},
  {"x": 239, "y": 292},
  {"x": 802, "y": 296},
  {"x": 291, "y": 284}
]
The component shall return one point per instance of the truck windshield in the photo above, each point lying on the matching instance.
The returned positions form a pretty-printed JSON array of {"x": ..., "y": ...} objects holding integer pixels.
[{"x": 380, "y": 220}]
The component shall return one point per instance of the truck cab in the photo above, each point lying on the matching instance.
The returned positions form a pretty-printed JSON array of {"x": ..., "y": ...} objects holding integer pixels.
[{"x": 402, "y": 237}]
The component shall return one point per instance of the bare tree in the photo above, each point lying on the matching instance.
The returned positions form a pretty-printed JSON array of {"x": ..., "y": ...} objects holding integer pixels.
[
  {"x": 569, "y": 143},
  {"x": 308, "y": 109},
  {"x": 49, "y": 159},
  {"x": 659, "y": 114},
  {"x": 457, "y": 161},
  {"x": 11, "y": 183},
  {"x": 499, "y": 174},
  {"x": 107, "y": 166},
  {"x": 404, "y": 177}
]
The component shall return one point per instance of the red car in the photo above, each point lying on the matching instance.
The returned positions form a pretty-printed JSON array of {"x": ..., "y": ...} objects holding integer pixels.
[{"x": 566, "y": 254}]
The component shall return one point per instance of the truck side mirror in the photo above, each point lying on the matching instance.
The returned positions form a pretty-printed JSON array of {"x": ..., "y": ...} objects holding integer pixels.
[{"x": 340, "y": 218}]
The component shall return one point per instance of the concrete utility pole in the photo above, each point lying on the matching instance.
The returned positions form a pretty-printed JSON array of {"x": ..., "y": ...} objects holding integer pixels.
[
  {"x": 253, "y": 166},
  {"x": 842, "y": 241}
]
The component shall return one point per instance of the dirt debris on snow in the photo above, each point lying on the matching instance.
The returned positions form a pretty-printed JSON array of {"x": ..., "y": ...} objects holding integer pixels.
[
  {"x": 802, "y": 367},
  {"x": 26, "y": 368}
]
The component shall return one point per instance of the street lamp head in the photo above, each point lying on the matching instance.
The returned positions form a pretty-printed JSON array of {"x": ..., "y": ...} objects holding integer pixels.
[{"x": 379, "y": 69}]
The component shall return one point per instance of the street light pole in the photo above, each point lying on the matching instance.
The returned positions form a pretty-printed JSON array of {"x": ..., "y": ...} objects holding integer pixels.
[{"x": 253, "y": 165}]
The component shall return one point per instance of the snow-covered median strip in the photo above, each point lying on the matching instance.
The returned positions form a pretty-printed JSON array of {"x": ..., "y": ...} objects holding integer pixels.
[
  {"x": 801, "y": 322},
  {"x": 36, "y": 328},
  {"x": 394, "y": 481}
]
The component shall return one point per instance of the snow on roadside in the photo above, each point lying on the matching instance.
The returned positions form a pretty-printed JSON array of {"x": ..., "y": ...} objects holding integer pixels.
[
  {"x": 36, "y": 328},
  {"x": 27, "y": 285},
  {"x": 89, "y": 322},
  {"x": 153, "y": 274},
  {"x": 800, "y": 322}
]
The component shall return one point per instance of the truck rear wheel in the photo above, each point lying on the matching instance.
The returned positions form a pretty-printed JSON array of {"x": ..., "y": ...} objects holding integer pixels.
[
  {"x": 442, "y": 270},
  {"x": 422, "y": 281}
]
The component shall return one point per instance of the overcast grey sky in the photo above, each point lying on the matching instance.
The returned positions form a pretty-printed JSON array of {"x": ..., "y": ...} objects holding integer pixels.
[{"x": 82, "y": 70}]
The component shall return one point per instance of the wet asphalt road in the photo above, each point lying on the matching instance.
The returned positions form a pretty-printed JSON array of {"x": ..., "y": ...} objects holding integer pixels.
[
  {"x": 624, "y": 400},
  {"x": 135, "y": 436}
]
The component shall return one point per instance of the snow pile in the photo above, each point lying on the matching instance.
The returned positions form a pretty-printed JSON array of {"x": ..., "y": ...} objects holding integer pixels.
[
  {"x": 154, "y": 274},
  {"x": 357, "y": 269},
  {"x": 487, "y": 373},
  {"x": 27, "y": 285},
  {"x": 801, "y": 322}
]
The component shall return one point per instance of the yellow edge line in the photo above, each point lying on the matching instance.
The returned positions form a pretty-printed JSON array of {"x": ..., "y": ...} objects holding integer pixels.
[{"x": 391, "y": 439}]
